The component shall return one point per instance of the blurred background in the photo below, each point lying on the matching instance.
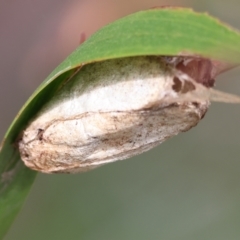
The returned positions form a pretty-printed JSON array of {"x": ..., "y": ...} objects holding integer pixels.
[{"x": 187, "y": 188}]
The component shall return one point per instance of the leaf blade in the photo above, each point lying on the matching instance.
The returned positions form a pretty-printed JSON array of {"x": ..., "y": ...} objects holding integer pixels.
[{"x": 167, "y": 31}]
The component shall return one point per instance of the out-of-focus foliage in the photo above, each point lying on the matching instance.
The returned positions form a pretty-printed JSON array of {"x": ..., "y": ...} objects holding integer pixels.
[{"x": 187, "y": 190}]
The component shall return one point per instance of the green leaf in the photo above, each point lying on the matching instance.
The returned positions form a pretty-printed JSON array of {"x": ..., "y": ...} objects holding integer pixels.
[{"x": 163, "y": 31}]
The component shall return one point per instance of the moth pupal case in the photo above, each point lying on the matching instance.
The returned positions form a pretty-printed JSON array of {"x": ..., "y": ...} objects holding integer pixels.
[{"x": 110, "y": 111}]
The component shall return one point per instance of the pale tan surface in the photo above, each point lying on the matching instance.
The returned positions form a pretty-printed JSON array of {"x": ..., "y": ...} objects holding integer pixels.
[{"x": 110, "y": 111}]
